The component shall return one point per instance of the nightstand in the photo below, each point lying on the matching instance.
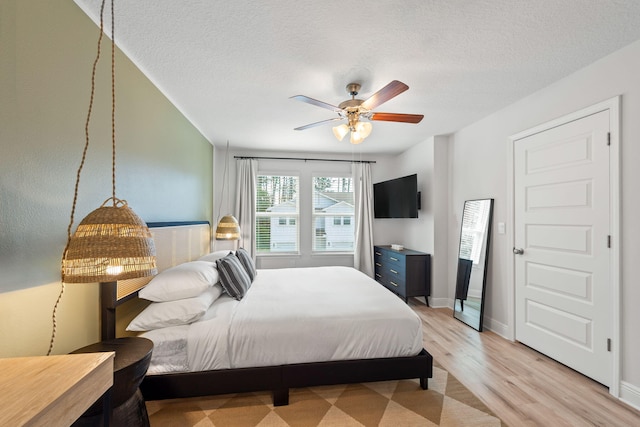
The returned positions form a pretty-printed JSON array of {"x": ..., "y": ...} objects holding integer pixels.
[{"x": 132, "y": 357}]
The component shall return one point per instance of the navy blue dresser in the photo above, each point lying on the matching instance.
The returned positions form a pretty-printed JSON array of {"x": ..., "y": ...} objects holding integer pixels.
[{"x": 406, "y": 273}]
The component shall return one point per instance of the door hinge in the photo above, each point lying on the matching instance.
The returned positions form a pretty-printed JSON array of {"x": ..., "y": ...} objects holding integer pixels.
[
  {"x": 609, "y": 241},
  {"x": 608, "y": 344},
  {"x": 608, "y": 138}
]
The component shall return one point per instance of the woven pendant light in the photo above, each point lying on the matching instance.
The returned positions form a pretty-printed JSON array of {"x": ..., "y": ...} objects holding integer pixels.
[
  {"x": 111, "y": 243},
  {"x": 228, "y": 228}
]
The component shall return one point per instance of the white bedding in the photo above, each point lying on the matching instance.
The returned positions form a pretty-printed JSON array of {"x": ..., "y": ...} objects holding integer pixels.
[{"x": 294, "y": 315}]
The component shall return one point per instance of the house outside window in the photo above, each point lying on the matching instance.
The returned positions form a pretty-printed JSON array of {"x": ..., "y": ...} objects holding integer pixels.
[
  {"x": 277, "y": 212},
  {"x": 333, "y": 211}
]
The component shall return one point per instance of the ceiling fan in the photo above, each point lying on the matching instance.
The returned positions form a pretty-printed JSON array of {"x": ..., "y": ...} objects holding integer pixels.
[{"x": 358, "y": 112}]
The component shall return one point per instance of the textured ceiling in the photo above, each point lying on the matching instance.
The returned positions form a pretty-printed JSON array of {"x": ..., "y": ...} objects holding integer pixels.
[{"x": 231, "y": 66}]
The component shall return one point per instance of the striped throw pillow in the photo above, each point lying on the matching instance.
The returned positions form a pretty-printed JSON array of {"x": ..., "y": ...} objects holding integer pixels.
[
  {"x": 233, "y": 277},
  {"x": 247, "y": 263}
]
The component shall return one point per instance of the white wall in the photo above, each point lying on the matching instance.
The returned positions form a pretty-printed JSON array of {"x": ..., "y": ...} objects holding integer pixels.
[{"x": 478, "y": 161}]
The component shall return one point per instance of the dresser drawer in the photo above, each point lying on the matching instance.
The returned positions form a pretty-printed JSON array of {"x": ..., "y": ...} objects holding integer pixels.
[
  {"x": 397, "y": 286},
  {"x": 393, "y": 259},
  {"x": 379, "y": 274},
  {"x": 397, "y": 272},
  {"x": 387, "y": 257},
  {"x": 378, "y": 267}
]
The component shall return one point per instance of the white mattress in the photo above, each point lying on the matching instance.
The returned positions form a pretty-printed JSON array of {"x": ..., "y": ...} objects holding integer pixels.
[{"x": 293, "y": 315}]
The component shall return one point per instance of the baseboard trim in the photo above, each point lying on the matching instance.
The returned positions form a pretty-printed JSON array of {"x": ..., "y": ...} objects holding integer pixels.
[
  {"x": 630, "y": 394},
  {"x": 487, "y": 323},
  {"x": 441, "y": 302},
  {"x": 496, "y": 327}
]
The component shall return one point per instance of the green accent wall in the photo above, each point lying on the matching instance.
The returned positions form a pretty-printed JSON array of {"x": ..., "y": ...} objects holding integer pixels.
[{"x": 164, "y": 165}]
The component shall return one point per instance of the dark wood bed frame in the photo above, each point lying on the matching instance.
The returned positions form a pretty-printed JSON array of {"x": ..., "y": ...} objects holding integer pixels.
[{"x": 277, "y": 379}]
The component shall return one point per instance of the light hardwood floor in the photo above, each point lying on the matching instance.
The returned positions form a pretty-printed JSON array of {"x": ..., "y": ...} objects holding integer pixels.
[{"x": 520, "y": 385}]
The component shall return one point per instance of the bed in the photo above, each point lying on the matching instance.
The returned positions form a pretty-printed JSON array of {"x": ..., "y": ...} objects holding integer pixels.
[{"x": 293, "y": 328}]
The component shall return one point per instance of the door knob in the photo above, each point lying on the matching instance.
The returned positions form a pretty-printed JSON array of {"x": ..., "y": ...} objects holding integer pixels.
[{"x": 518, "y": 251}]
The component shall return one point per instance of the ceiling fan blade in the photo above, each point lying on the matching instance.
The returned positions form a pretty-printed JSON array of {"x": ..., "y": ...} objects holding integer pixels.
[
  {"x": 316, "y": 103},
  {"x": 395, "y": 117},
  {"x": 391, "y": 90},
  {"x": 310, "y": 125}
]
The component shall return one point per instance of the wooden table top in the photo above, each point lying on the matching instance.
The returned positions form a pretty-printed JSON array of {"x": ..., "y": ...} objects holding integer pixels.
[
  {"x": 52, "y": 390},
  {"x": 129, "y": 350}
]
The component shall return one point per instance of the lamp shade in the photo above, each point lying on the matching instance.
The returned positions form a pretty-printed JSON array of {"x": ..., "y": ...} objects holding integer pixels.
[
  {"x": 228, "y": 228},
  {"x": 356, "y": 137},
  {"x": 361, "y": 131},
  {"x": 111, "y": 243},
  {"x": 364, "y": 128},
  {"x": 340, "y": 131}
]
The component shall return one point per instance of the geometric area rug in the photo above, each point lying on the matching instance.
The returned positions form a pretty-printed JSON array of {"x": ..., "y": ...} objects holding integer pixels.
[{"x": 387, "y": 403}]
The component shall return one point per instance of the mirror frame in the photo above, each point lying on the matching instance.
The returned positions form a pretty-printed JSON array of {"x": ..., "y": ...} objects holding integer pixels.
[{"x": 485, "y": 267}]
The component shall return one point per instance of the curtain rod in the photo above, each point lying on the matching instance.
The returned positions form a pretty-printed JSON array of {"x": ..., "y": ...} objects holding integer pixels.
[{"x": 304, "y": 159}]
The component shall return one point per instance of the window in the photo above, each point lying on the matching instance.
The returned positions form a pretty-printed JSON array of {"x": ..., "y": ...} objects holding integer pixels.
[
  {"x": 277, "y": 212},
  {"x": 333, "y": 210}
]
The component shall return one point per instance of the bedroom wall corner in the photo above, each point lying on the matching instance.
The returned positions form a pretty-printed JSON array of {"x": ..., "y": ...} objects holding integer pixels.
[
  {"x": 430, "y": 160},
  {"x": 441, "y": 208}
]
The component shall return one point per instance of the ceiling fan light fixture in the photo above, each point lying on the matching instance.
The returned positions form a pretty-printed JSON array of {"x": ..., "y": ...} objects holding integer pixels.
[
  {"x": 340, "y": 131},
  {"x": 356, "y": 137},
  {"x": 353, "y": 110},
  {"x": 364, "y": 129}
]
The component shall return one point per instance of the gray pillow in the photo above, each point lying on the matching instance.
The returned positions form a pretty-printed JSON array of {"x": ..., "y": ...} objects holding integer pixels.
[
  {"x": 233, "y": 277},
  {"x": 247, "y": 263}
]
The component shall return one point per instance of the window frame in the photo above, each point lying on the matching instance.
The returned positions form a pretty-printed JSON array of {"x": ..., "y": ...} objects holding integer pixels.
[{"x": 283, "y": 219}]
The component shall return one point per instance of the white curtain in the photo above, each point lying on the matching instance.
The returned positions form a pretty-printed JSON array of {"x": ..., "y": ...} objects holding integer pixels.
[
  {"x": 246, "y": 173},
  {"x": 363, "y": 185}
]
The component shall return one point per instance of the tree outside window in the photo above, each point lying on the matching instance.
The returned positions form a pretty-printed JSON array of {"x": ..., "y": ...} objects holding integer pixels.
[
  {"x": 277, "y": 211},
  {"x": 333, "y": 210}
]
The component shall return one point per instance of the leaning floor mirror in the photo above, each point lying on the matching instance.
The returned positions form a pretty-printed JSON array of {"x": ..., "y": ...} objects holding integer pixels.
[{"x": 473, "y": 260}]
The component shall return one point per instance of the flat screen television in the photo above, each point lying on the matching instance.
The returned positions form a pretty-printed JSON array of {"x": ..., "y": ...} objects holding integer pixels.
[{"x": 397, "y": 198}]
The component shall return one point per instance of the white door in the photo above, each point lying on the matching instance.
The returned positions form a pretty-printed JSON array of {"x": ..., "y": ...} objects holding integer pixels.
[{"x": 561, "y": 207}]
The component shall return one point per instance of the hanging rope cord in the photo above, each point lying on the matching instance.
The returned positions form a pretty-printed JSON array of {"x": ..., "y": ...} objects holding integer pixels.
[
  {"x": 84, "y": 153},
  {"x": 113, "y": 106},
  {"x": 224, "y": 178}
]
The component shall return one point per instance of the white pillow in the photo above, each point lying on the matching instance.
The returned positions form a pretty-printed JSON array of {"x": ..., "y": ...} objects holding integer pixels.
[
  {"x": 186, "y": 280},
  {"x": 173, "y": 313},
  {"x": 213, "y": 256}
]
